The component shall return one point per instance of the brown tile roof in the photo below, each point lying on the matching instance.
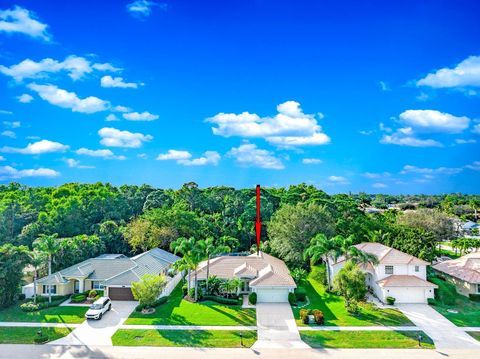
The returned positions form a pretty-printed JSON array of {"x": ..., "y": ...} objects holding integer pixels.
[
  {"x": 266, "y": 269},
  {"x": 387, "y": 255},
  {"x": 466, "y": 268},
  {"x": 405, "y": 281}
]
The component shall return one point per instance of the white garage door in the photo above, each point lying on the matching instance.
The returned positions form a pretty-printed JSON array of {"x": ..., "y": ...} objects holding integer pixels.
[
  {"x": 407, "y": 295},
  {"x": 265, "y": 295}
]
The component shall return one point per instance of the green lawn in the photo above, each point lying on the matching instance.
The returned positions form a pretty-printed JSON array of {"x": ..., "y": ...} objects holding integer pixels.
[
  {"x": 181, "y": 312},
  {"x": 468, "y": 311},
  {"x": 365, "y": 339},
  {"x": 475, "y": 335},
  {"x": 184, "y": 338},
  {"x": 25, "y": 335},
  {"x": 64, "y": 314},
  {"x": 333, "y": 308}
]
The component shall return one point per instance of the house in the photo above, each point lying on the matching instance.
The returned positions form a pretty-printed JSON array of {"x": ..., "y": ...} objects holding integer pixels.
[
  {"x": 113, "y": 273},
  {"x": 397, "y": 274},
  {"x": 469, "y": 226},
  {"x": 263, "y": 274},
  {"x": 464, "y": 272}
]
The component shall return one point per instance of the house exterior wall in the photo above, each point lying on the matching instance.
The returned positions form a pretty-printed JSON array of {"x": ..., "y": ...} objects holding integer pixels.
[
  {"x": 401, "y": 269},
  {"x": 463, "y": 287},
  {"x": 62, "y": 289}
]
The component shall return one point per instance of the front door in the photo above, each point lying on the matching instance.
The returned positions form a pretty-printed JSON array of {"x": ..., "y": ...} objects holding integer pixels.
[{"x": 76, "y": 286}]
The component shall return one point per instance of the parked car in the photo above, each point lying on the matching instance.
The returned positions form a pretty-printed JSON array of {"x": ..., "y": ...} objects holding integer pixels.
[{"x": 98, "y": 308}]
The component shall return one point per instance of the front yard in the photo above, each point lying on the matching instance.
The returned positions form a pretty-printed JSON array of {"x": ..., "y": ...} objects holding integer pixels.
[
  {"x": 468, "y": 311},
  {"x": 25, "y": 335},
  {"x": 366, "y": 339},
  {"x": 178, "y": 311},
  {"x": 333, "y": 308},
  {"x": 181, "y": 338},
  {"x": 63, "y": 314}
]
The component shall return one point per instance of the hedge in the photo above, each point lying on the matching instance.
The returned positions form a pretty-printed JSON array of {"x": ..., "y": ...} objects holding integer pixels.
[
  {"x": 474, "y": 296},
  {"x": 155, "y": 304},
  {"x": 31, "y": 307},
  {"x": 317, "y": 315},
  {"x": 222, "y": 300},
  {"x": 292, "y": 299},
  {"x": 252, "y": 298},
  {"x": 390, "y": 300},
  {"x": 78, "y": 298},
  {"x": 301, "y": 294}
]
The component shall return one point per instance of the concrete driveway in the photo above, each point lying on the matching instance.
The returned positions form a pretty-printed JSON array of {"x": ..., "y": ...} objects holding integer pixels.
[
  {"x": 99, "y": 332},
  {"x": 443, "y": 332},
  {"x": 276, "y": 327}
]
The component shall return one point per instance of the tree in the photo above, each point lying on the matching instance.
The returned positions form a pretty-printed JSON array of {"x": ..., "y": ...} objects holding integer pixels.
[
  {"x": 230, "y": 285},
  {"x": 212, "y": 248},
  {"x": 299, "y": 275},
  {"x": 37, "y": 260},
  {"x": 350, "y": 283},
  {"x": 441, "y": 225},
  {"x": 12, "y": 262},
  {"x": 49, "y": 245},
  {"x": 142, "y": 234},
  {"x": 293, "y": 226},
  {"x": 147, "y": 290}
]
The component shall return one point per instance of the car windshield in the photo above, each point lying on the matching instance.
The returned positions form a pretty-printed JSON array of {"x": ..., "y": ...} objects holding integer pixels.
[{"x": 96, "y": 306}]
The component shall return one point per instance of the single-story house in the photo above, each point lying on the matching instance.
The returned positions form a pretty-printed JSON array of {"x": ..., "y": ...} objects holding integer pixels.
[
  {"x": 263, "y": 274},
  {"x": 397, "y": 274},
  {"x": 464, "y": 272},
  {"x": 113, "y": 273}
]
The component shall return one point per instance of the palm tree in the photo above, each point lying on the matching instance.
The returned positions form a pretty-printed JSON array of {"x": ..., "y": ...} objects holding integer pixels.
[
  {"x": 359, "y": 257},
  {"x": 323, "y": 248},
  {"x": 211, "y": 249},
  {"x": 37, "y": 259},
  {"x": 49, "y": 245}
]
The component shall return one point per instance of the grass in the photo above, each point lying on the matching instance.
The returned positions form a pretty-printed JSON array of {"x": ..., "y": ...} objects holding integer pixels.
[
  {"x": 451, "y": 254},
  {"x": 475, "y": 335},
  {"x": 63, "y": 314},
  {"x": 184, "y": 338},
  {"x": 468, "y": 311},
  {"x": 335, "y": 314},
  {"x": 366, "y": 339},
  {"x": 178, "y": 311},
  {"x": 25, "y": 335}
]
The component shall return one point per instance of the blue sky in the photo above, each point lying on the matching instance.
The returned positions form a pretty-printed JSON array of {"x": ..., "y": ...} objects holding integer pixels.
[{"x": 348, "y": 96}]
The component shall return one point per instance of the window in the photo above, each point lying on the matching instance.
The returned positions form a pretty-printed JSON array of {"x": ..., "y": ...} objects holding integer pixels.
[
  {"x": 97, "y": 285},
  {"x": 388, "y": 269},
  {"x": 478, "y": 288},
  {"x": 45, "y": 289},
  {"x": 417, "y": 269}
]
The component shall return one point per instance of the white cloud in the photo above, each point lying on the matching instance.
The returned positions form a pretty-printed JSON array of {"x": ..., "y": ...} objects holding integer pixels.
[
  {"x": 434, "y": 121},
  {"x": 338, "y": 179},
  {"x": 8, "y": 172},
  {"x": 72, "y": 163},
  {"x": 140, "y": 116},
  {"x": 466, "y": 73},
  {"x": 113, "y": 137},
  {"x": 10, "y": 134},
  {"x": 75, "y": 66},
  {"x": 174, "y": 155},
  {"x": 476, "y": 129},
  {"x": 70, "y": 100},
  {"x": 396, "y": 139},
  {"x": 23, "y": 21},
  {"x": 475, "y": 166},
  {"x": 365, "y": 132},
  {"x": 440, "y": 170},
  {"x": 2, "y": 158},
  {"x": 121, "y": 109},
  {"x": 111, "y": 117},
  {"x": 208, "y": 158},
  {"x": 311, "y": 161},
  {"x": 461, "y": 141},
  {"x": 109, "y": 81},
  {"x": 5, "y": 112},
  {"x": 37, "y": 148},
  {"x": 143, "y": 8},
  {"x": 384, "y": 86},
  {"x": 290, "y": 127},
  {"x": 249, "y": 155},
  {"x": 25, "y": 98},
  {"x": 379, "y": 185},
  {"x": 377, "y": 175},
  {"x": 14, "y": 124},
  {"x": 423, "y": 97},
  {"x": 105, "y": 153}
]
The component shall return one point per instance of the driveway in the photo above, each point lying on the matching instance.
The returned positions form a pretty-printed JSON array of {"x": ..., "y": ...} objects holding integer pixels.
[
  {"x": 99, "y": 332},
  {"x": 276, "y": 327},
  {"x": 443, "y": 332}
]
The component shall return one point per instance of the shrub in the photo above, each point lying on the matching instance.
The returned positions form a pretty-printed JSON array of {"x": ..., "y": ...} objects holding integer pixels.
[
  {"x": 40, "y": 339},
  {"x": 318, "y": 315},
  {"x": 252, "y": 298},
  {"x": 352, "y": 307},
  {"x": 292, "y": 299},
  {"x": 301, "y": 294},
  {"x": 390, "y": 300},
  {"x": 78, "y": 298},
  {"x": 29, "y": 307},
  {"x": 191, "y": 293},
  {"x": 474, "y": 296},
  {"x": 222, "y": 300},
  {"x": 21, "y": 296},
  {"x": 431, "y": 301},
  {"x": 92, "y": 293},
  {"x": 185, "y": 289},
  {"x": 304, "y": 313},
  {"x": 155, "y": 304}
]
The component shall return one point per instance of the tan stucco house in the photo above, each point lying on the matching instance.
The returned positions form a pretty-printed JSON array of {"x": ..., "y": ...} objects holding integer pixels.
[
  {"x": 263, "y": 274},
  {"x": 464, "y": 272},
  {"x": 113, "y": 273}
]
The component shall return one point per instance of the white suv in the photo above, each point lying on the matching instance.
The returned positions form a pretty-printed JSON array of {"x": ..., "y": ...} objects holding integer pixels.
[{"x": 98, "y": 308}]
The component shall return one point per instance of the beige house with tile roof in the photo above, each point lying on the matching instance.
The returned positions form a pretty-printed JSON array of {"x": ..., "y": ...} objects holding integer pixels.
[
  {"x": 263, "y": 274},
  {"x": 398, "y": 274},
  {"x": 464, "y": 272}
]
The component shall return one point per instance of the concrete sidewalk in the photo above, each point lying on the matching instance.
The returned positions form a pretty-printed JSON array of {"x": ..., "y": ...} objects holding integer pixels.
[{"x": 360, "y": 329}]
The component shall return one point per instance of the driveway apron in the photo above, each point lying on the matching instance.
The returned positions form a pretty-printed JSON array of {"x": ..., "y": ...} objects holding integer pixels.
[
  {"x": 99, "y": 332},
  {"x": 444, "y": 333},
  {"x": 276, "y": 327}
]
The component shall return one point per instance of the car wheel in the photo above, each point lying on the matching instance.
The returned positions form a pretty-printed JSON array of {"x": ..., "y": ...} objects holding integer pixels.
[
  {"x": 100, "y": 316},
  {"x": 109, "y": 307}
]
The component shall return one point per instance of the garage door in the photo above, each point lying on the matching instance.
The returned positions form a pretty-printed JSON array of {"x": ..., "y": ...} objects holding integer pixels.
[
  {"x": 120, "y": 293},
  {"x": 272, "y": 295},
  {"x": 407, "y": 294}
]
